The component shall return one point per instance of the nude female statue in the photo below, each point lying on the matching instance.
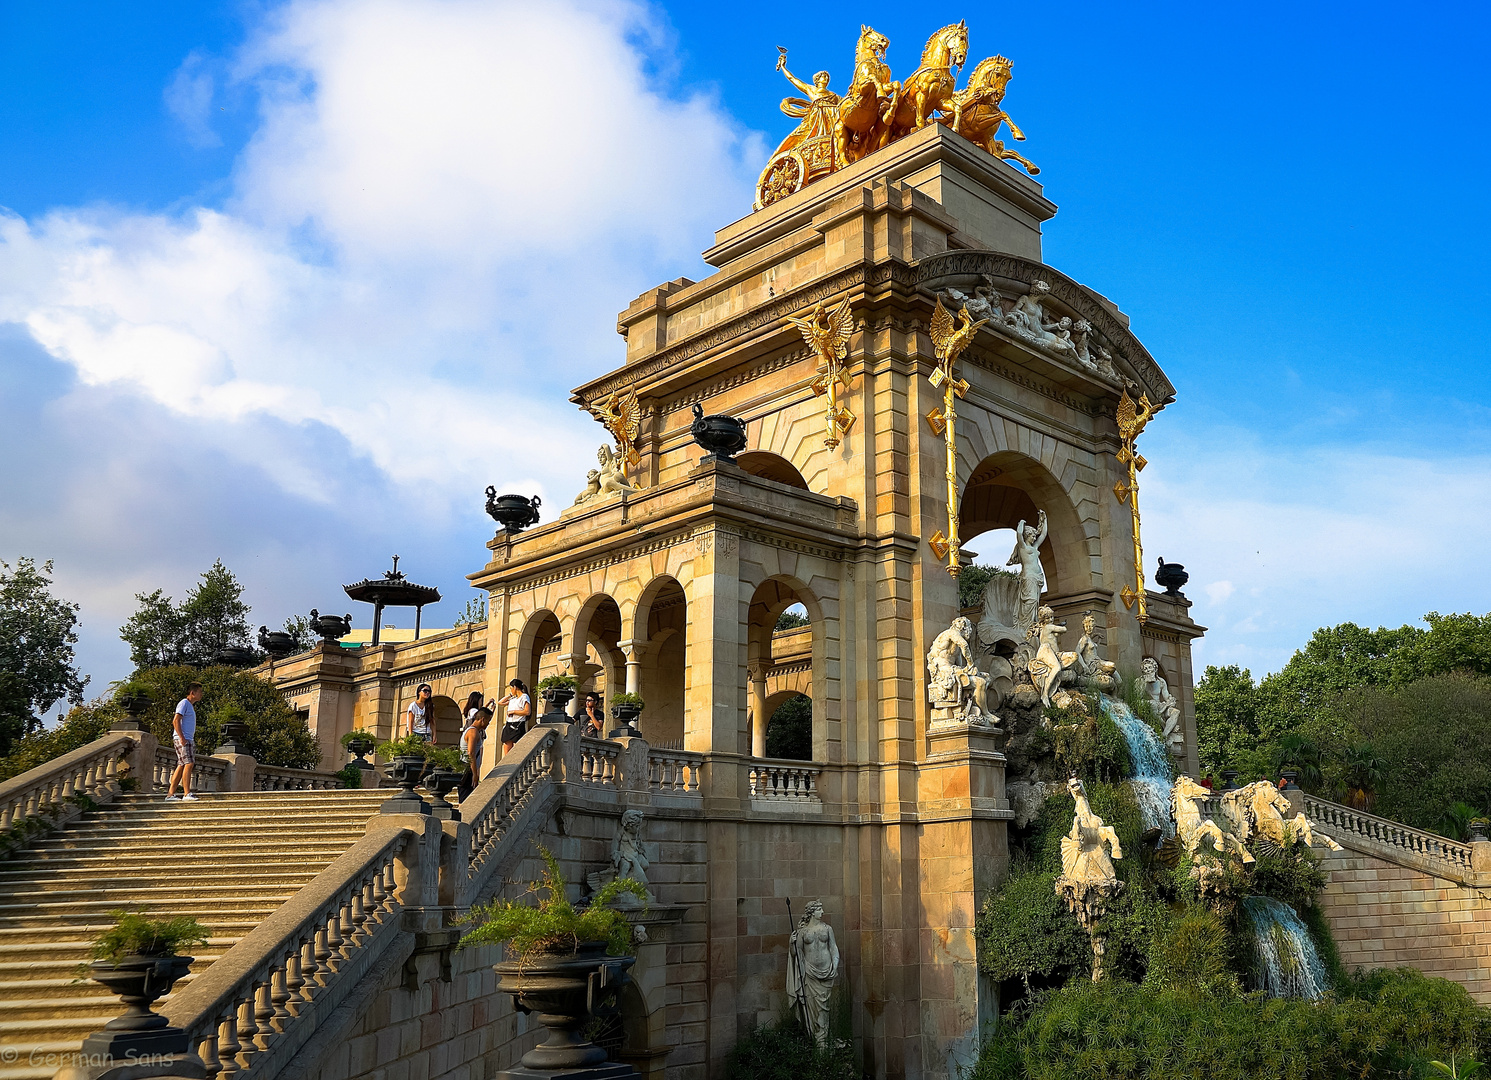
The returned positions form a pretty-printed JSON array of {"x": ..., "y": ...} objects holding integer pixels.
[{"x": 1027, "y": 553}]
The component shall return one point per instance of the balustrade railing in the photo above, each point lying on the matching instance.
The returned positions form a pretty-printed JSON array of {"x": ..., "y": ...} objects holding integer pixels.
[
  {"x": 1342, "y": 822},
  {"x": 492, "y": 807},
  {"x": 241, "y": 1012},
  {"x": 790, "y": 782},
  {"x": 673, "y": 772},
  {"x": 274, "y": 778},
  {"x": 600, "y": 762},
  {"x": 208, "y": 773},
  {"x": 91, "y": 770}
]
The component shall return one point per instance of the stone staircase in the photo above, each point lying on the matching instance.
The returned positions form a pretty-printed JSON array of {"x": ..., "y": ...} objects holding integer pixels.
[{"x": 228, "y": 860}]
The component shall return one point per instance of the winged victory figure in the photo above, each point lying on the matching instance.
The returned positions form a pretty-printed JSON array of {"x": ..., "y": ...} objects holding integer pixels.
[
  {"x": 827, "y": 334},
  {"x": 948, "y": 338}
]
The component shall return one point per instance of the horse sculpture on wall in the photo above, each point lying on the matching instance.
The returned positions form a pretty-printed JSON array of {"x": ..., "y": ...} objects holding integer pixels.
[
  {"x": 1192, "y": 827},
  {"x": 1259, "y": 811}
]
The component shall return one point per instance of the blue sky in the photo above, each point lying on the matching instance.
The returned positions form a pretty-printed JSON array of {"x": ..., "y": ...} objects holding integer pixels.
[{"x": 290, "y": 283}]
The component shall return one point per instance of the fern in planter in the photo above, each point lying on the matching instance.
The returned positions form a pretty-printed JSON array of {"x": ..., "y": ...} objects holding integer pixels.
[
  {"x": 553, "y": 926},
  {"x": 133, "y": 934},
  {"x": 444, "y": 757},
  {"x": 404, "y": 746},
  {"x": 357, "y": 734},
  {"x": 628, "y": 699},
  {"x": 558, "y": 682}
]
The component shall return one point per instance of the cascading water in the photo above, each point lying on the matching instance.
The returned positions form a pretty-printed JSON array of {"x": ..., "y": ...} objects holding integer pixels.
[
  {"x": 1288, "y": 965},
  {"x": 1151, "y": 780}
]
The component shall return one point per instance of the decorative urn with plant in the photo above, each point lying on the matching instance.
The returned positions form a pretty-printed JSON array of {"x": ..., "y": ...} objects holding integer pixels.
[
  {"x": 133, "y": 697},
  {"x": 232, "y": 721},
  {"x": 140, "y": 959},
  {"x": 445, "y": 769},
  {"x": 406, "y": 758},
  {"x": 360, "y": 744},
  {"x": 625, "y": 708},
  {"x": 557, "y": 690},
  {"x": 562, "y": 963}
]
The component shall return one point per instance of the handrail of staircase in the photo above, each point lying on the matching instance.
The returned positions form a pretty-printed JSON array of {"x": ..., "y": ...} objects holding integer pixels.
[
  {"x": 276, "y": 778},
  {"x": 262, "y": 1000},
  {"x": 1449, "y": 858},
  {"x": 91, "y": 770},
  {"x": 208, "y": 773},
  {"x": 496, "y": 802}
]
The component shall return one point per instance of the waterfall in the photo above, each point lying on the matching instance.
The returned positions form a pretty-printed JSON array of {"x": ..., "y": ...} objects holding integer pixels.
[
  {"x": 1151, "y": 780},
  {"x": 1288, "y": 965}
]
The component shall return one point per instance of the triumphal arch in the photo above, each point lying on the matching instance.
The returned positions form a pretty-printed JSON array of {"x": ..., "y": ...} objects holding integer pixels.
[{"x": 855, "y": 495}]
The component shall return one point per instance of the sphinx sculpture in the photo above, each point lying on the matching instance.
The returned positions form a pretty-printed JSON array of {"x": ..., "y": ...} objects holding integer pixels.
[
  {"x": 958, "y": 691},
  {"x": 610, "y": 479},
  {"x": 1088, "y": 882}
]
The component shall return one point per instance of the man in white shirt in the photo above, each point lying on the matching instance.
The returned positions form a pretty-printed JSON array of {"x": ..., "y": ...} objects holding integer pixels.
[{"x": 183, "y": 737}]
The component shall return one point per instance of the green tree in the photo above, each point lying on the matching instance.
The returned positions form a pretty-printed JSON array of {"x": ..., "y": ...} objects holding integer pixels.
[
  {"x": 790, "y": 620},
  {"x": 1226, "y": 717},
  {"x": 37, "y": 635},
  {"x": 211, "y": 618},
  {"x": 299, "y": 629},
  {"x": 789, "y": 732}
]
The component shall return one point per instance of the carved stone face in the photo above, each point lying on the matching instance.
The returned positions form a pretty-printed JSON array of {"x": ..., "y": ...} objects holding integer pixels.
[
  {"x": 815, "y": 909},
  {"x": 1030, "y": 535},
  {"x": 963, "y": 626},
  {"x": 1150, "y": 668},
  {"x": 1087, "y": 625}
]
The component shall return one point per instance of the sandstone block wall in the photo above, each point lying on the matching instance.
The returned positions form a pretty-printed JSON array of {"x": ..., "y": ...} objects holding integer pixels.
[{"x": 1385, "y": 915}]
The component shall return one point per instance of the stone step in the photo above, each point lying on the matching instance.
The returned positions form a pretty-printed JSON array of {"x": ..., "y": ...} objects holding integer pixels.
[
  {"x": 101, "y": 911},
  {"x": 262, "y": 847},
  {"x": 27, "y": 973},
  {"x": 127, "y": 876},
  {"x": 148, "y": 896},
  {"x": 185, "y": 827},
  {"x": 20, "y": 944}
]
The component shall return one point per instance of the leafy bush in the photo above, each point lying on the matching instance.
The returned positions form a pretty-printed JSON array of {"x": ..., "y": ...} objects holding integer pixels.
[
  {"x": 358, "y": 733},
  {"x": 404, "y": 746},
  {"x": 558, "y": 682},
  {"x": 133, "y": 934},
  {"x": 1191, "y": 955},
  {"x": 1292, "y": 875},
  {"x": 351, "y": 777},
  {"x": 1086, "y": 742},
  {"x": 1391, "y": 1024},
  {"x": 1025, "y": 932},
  {"x": 553, "y": 926},
  {"x": 444, "y": 757},
  {"x": 628, "y": 699},
  {"x": 785, "y": 1051}
]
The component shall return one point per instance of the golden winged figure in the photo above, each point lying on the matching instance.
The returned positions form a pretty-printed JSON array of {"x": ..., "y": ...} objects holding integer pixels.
[
  {"x": 827, "y": 332},
  {"x": 622, "y": 415},
  {"x": 948, "y": 338},
  {"x": 1131, "y": 420}
]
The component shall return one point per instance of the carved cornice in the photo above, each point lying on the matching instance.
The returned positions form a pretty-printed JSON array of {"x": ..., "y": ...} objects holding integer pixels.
[
  {"x": 439, "y": 671},
  {"x": 1126, "y": 347},
  {"x": 740, "y": 378},
  {"x": 601, "y": 562}
]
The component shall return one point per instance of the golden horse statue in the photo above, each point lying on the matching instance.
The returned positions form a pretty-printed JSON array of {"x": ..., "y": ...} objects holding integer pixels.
[
  {"x": 931, "y": 86},
  {"x": 977, "y": 110},
  {"x": 862, "y": 125}
]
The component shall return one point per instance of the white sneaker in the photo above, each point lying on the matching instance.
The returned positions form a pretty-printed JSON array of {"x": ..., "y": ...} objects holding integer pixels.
[
  {"x": 188, "y": 797},
  {"x": 173, "y": 798}
]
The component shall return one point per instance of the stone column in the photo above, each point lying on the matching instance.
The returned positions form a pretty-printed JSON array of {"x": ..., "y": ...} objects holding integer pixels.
[
  {"x": 757, "y": 670},
  {"x": 634, "y": 649}
]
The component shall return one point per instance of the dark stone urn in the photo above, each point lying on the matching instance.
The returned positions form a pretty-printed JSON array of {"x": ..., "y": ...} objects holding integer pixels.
[
  {"x": 513, "y": 512},
  {"x": 566, "y": 991},
  {"x": 134, "y": 706},
  {"x": 330, "y": 628},
  {"x": 626, "y": 717},
  {"x": 721, "y": 436},
  {"x": 406, "y": 770},
  {"x": 555, "y": 699},
  {"x": 440, "y": 783},
  {"x": 276, "y": 643},
  {"x": 1172, "y": 575},
  {"x": 239, "y": 656},
  {"x": 139, "y": 981}
]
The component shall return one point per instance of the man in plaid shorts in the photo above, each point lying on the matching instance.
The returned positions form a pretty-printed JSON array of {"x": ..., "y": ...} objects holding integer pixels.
[{"x": 184, "y": 738}]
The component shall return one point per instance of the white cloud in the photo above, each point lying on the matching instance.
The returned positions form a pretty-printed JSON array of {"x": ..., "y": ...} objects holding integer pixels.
[
  {"x": 430, "y": 233},
  {"x": 1284, "y": 540}
]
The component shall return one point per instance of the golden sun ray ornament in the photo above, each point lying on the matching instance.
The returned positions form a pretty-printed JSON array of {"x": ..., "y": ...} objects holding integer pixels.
[
  {"x": 827, "y": 334},
  {"x": 949, "y": 340},
  {"x": 621, "y": 413},
  {"x": 1131, "y": 421}
]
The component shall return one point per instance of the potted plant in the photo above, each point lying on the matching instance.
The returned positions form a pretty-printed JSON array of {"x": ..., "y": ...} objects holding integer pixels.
[
  {"x": 625, "y": 708},
  {"x": 406, "y": 758},
  {"x": 232, "y": 720},
  {"x": 1479, "y": 827},
  {"x": 561, "y": 961},
  {"x": 443, "y": 777},
  {"x": 139, "y": 959},
  {"x": 133, "y": 697},
  {"x": 557, "y": 690},
  {"x": 360, "y": 744}
]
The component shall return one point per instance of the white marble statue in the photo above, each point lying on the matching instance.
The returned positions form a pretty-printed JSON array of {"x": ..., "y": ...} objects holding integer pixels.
[
  {"x": 1089, "y": 663},
  {"x": 984, "y": 304},
  {"x": 812, "y": 967},
  {"x": 1186, "y": 798},
  {"x": 956, "y": 688},
  {"x": 1157, "y": 692},
  {"x": 1260, "y": 810},
  {"x": 1049, "y": 661},
  {"x": 1027, "y": 555},
  {"x": 610, "y": 479},
  {"x": 1083, "y": 855}
]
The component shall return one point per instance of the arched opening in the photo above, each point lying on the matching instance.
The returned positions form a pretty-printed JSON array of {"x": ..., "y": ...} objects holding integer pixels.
[
  {"x": 789, "y": 731},
  {"x": 660, "y": 640},
  {"x": 597, "y": 631},
  {"x": 447, "y": 721},
  {"x": 771, "y": 466},
  {"x": 780, "y": 659},
  {"x": 538, "y": 646}
]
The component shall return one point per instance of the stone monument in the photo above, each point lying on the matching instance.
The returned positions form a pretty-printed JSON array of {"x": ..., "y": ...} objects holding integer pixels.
[
  {"x": 956, "y": 688},
  {"x": 1088, "y": 882},
  {"x": 812, "y": 967}
]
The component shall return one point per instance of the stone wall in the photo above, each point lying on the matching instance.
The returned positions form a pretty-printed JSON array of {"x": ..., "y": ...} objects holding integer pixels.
[{"x": 1386, "y": 915}]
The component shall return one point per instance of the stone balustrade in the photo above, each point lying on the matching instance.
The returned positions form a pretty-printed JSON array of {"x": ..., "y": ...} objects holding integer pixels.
[
  {"x": 495, "y": 805},
  {"x": 1390, "y": 840},
  {"x": 785, "y": 785},
  {"x": 600, "y": 762},
  {"x": 256, "y": 1006},
  {"x": 273, "y": 778},
  {"x": 91, "y": 770},
  {"x": 674, "y": 772},
  {"x": 208, "y": 773}
]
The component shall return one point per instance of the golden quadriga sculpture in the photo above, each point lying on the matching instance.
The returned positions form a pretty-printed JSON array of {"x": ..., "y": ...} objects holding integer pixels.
[
  {"x": 834, "y": 132},
  {"x": 1088, "y": 882}
]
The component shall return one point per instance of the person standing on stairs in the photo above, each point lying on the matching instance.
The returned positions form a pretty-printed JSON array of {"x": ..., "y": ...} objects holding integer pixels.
[{"x": 183, "y": 737}]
